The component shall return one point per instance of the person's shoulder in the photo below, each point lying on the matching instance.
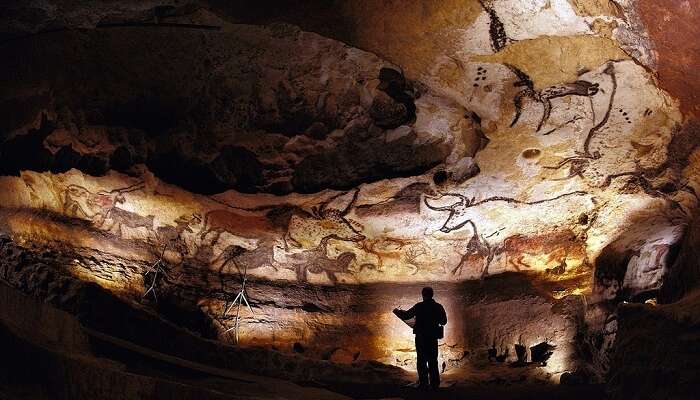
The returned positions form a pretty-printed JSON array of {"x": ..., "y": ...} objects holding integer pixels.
[{"x": 421, "y": 305}]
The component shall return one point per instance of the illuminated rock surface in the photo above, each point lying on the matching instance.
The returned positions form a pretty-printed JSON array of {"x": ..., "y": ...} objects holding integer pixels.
[{"x": 534, "y": 161}]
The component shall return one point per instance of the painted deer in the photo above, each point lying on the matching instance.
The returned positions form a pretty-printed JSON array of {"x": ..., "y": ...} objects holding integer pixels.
[
  {"x": 171, "y": 236},
  {"x": 389, "y": 248},
  {"x": 383, "y": 249},
  {"x": 322, "y": 222},
  {"x": 477, "y": 248},
  {"x": 412, "y": 255}
]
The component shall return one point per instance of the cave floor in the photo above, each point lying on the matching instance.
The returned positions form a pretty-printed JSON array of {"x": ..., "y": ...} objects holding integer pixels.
[
  {"x": 116, "y": 358},
  {"x": 514, "y": 392},
  {"x": 477, "y": 384},
  {"x": 127, "y": 351},
  {"x": 482, "y": 381}
]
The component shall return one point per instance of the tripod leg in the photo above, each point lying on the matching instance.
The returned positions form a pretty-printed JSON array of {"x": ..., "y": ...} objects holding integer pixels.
[
  {"x": 155, "y": 279},
  {"x": 238, "y": 313},
  {"x": 247, "y": 304},
  {"x": 235, "y": 326},
  {"x": 228, "y": 308},
  {"x": 152, "y": 287},
  {"x": 238, "y": 297}
]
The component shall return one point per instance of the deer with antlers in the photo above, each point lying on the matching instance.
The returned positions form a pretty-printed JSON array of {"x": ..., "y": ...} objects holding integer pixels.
[
  {"x": 171, "y": 236},
  {"x": 383, "y": 249},
  {"x": 323, "y": 221}
]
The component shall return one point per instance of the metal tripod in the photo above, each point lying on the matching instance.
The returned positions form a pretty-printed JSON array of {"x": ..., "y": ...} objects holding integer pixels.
[
  {"x": 155, "y": 269},
  {"x": 238, "y": 302}
]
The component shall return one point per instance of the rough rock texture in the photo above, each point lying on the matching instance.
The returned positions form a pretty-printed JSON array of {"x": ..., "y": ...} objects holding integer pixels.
[
  {"x": 536, "y": 161},
  {"x": 673, "y": 28},
  {"x": 249, "y": 108},
  {"x": 57, "y": 276},
  {"x": 52, "y": 355},
  {"x": 300, "y": 317},
  {"x": 656, "y": 354}
]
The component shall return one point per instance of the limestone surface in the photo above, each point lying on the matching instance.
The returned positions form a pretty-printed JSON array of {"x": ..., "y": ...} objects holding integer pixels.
[{"x": 535, "y": 161}]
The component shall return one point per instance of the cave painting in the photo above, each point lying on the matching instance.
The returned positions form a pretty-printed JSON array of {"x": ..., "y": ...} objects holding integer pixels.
[
  {"x": 578, "y": 163},
  {"x": 204, "y": 234},
  {"x": 102, "y": 209},
  {"x": 219, "y": 221},
  {"x": 316, "y": 261},
  {"x": 303, "y": 234},
  {"x": 306, "y": 228},
  {"x": 584, "y": 131},
  {"x": 516, "y": 248},
  {"x": 544, "y": 96},
  {"x": 383, "y": 249},
  {"x": 409, "y": 253},
  {"x": 117, "y": 218},
  {"x": 477, "y": 248},
  {"x": 497, "y": 32},
  {"x": 548, "y": 249},
  {"x": 245, "y": 260},
  {"x": 82, "y": 203},
  {"x": 458, "y": 211},
  {"x": 171, "y": 236},
  {"x": 413, "y": 255}
]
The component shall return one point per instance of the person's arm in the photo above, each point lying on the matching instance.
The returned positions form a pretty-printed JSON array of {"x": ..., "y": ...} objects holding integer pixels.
[
  {"x": 443, "y": 316},
  {"x": 405, "y": 314}
]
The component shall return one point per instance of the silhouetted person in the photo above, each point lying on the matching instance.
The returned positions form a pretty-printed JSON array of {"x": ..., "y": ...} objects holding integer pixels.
[{"x": 430, "y": 316}]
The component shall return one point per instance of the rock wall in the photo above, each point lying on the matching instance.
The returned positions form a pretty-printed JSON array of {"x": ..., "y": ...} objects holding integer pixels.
[
  {"x": 344, "y": 324},
  {"x": 656, "y": 355},
  {"x": 476, "y": 140}
]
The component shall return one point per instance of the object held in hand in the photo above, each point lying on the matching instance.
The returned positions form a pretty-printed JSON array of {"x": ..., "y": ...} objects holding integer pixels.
[{"x": 410, "y": 322}]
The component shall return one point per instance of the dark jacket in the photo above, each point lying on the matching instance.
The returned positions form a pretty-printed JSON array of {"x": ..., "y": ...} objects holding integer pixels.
[{"x": 429, "y": 316}]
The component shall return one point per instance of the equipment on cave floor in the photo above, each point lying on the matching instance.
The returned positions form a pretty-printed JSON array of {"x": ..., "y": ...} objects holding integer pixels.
[
  {"x": 238, "y": 302},
  {"x": 157, "y": 270},
  {"x": 541, "y": 352}
]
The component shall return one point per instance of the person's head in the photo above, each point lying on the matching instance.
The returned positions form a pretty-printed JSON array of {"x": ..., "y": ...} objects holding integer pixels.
[{"x": 427, "y": 293}]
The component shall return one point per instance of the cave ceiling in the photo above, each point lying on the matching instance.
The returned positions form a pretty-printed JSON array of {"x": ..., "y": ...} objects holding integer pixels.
[{"x": 441, "y": 143}]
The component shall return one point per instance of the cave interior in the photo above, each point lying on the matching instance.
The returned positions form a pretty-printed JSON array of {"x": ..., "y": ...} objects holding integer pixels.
[{"x": 206, "y": 199}]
